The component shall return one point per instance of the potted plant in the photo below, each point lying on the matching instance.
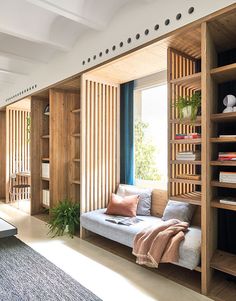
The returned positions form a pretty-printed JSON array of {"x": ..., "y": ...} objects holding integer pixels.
[
  {"x": 188, "y": 106},
  {"x": 64, "y": 218}
]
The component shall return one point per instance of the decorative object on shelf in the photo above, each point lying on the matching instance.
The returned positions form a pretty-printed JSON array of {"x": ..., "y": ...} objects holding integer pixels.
[
  {"x": 46, "y": 197},
  {"x": 229, "y": 101},
  {"x": 47, "y": 110},
  {"x": 188, "y": 106},
  {"x": 46, "y": 170},
  {"x": 65, "y": 218}
]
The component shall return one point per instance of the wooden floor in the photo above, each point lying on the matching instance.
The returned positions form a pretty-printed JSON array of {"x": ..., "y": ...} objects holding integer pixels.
[{"x": 190, "y": 279}]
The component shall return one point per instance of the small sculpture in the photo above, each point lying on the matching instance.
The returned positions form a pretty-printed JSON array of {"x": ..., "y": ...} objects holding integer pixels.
[{"x": 229, "y": 101}]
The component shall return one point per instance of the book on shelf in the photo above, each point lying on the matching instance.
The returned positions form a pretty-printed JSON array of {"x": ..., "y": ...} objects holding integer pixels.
[
  {"x": 187, "y": 136},
  {"x": 227, "y": 156},
  {"x": 227, "y": 136},
  {"x": 189, "y": 177},
  {"x": 228, "y": 201},
  {"x": 227, "y": 177},
  {"x": 188, "y": 156},
  {"x": 122, "y": 220}
]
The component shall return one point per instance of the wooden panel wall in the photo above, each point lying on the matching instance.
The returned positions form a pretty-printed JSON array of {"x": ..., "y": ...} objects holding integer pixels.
[
  {"x": 180, "y": 65},
  {"x": 3, "y": 155},
  {"x": 39, "y": 149},
  {"x": 18, "y": 146},
  {"x": 100, "y": 142}
]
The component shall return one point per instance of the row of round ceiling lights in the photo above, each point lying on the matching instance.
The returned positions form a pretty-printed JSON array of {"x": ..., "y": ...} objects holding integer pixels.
[
  {"x": 138, "y": 35},
  {"x": 21, "y": 93}
]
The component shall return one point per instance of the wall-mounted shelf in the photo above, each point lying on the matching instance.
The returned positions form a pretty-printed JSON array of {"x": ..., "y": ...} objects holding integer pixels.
[
  {"x": 224, "y": 262},
  {"x": 192, "y": 198},
  {"x": 45, "y": 159},
  {"x": 76, "y": 160},
  {"x": 76, "y": 135},
  {"x": 224, "y": 117},
  {"x": 184, "y": 181},
  {"x": 186, "y": 141},
  {"x": 196, "y": 122},
  {"x": 223, "y": 140},
  {"x": 76, "y": 182},
  {"x": 224, "y": 74},
  {"x": 191, "y": 81},
  {"x": 45, "y": 137},
  {"x": 186, "y": 162},
  {"x": 223, "y": 163},
  {"x": 45, "y": 179},
  {"x": 222, "y": 184},
  {"x": 76, "y": 111},
  {"x": 217, "y": 204}
]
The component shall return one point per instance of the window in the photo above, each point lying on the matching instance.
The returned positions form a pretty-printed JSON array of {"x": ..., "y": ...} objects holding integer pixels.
[{"x": 150, "y": 136}]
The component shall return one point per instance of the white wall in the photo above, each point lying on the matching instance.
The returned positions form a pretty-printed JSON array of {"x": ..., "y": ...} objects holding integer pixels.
[{"x": 132, "y": 19}]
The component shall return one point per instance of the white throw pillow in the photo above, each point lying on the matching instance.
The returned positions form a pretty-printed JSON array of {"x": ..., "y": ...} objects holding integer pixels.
[{"x": 145, "y": 197}]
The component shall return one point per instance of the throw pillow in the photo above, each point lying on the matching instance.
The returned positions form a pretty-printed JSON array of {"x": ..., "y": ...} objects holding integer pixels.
[
  {"x": 125, "y": 206},
  {"x": 178, "y": 210},
  {"x": 145, "y": 197}
]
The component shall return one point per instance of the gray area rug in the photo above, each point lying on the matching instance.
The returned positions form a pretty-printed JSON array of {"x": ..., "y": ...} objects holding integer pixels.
[{"x": 27, "y": 275}]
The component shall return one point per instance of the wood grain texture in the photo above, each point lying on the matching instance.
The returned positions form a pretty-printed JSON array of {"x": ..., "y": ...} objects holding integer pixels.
[{"x": 3, "y": 154}]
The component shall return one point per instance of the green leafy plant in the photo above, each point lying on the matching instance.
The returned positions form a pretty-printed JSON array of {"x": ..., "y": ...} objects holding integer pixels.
[
  {"x": 64, "y": 218},
  {"x": 145, "y": 165},
  {"x": 193, "y": 101}
]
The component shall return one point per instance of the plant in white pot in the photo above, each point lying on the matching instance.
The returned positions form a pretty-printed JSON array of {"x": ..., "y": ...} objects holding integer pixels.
[
  {"x": 188, "y": 106},
  {"x": 64, "y": 219}
]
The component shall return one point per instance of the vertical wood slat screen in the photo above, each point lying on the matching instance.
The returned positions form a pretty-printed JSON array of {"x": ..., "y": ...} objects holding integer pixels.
[
  {"x": 180, "y": 65},
  {"x": 99, "y": 142},
  {"x": 18, "y": 147}
]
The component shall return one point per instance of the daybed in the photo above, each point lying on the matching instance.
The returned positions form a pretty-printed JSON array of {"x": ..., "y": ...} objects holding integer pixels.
[{"x": 95, "y": 221}]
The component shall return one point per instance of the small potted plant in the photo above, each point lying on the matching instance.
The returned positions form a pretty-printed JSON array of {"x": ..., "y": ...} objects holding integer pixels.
[
  {"x": 64, "y": 218},
  {"x": 188, "y": 106}
]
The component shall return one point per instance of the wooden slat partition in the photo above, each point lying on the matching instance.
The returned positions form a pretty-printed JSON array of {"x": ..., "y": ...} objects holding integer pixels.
[
  {"x": 180, "y": 66},
  {"x": 99, "y": 142},
  {"x": 18, "y": 146},
  {"x": 3, "y": 154}
]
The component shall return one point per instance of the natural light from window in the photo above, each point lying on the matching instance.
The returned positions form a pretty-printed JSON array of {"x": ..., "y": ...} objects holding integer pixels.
[{"x": 150, "y": 128}]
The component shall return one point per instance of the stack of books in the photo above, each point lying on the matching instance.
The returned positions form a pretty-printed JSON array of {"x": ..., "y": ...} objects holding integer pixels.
[
  {"x": 228, "y": 201},
  {"x": 188, "y": 156},
  {"x": 227, "y": 156},
  {"x": 187, "y": 136},
  {"x": 227, "y": 177}
]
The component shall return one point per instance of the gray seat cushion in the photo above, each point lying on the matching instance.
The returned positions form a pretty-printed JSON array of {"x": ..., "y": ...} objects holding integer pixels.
[
  {"x": 6, "y": 229},
  {"x": 95, "y": 221}
]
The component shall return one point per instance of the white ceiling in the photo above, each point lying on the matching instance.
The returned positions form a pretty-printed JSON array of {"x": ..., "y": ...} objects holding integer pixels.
[{"x": 32, "y": 32}]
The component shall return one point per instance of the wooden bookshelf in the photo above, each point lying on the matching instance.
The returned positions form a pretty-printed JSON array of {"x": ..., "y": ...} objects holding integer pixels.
[
  {"x": 190, "y": 81},
  {"x": 223, "y": 163},
  {"x": 186, "y": 141},
  {"x": 185, "y": 181},
  {"x": 192, "y": 198},
  {"x": 224, "y": 262},
  {"x": 216, "y": 204},
  {"x": 191, "y": 162},
  {"x": 222, "y": 184},
  {"x": 224, "y": 117},
  {"x": 76, "y": 111},
  {"x": 45, "y": 136},
  {"x": 196, "y": 122},
  {"x": 45, "y": 159},
  {"x": 223, "y": 140},
  {"x": 225, "y": 73}
]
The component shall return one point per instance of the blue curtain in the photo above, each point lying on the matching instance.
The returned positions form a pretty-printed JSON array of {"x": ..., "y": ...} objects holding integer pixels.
[{"x": 127, "y": 133}]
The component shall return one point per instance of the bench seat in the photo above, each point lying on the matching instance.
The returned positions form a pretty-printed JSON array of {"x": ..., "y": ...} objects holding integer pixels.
[{"x": 95, "y": 221}]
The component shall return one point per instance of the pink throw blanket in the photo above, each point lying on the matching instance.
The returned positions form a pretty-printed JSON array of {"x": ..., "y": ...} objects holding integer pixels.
[{"x": 159, "y": 243}]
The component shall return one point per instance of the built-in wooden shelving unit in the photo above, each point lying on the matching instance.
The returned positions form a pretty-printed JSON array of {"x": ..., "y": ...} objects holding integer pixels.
[
  {"x": 225, "y": 73},
  {"x": 225, "y": 262},
  {"x": 196, "y": 122},
  {"x": 223, "y": 163},
  {"x": 192, "y": 198},
  {"x": 186, "y": 141},
  {"x": 217, "y": 204},
  {"x": 196, "y": 162},
  {"x": 223, "y": 117},
  {"x": 223, "y": 140}
]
